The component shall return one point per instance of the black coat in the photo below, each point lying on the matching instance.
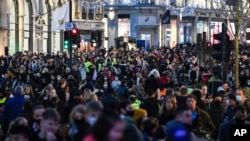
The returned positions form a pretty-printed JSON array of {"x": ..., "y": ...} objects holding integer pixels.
[{"x": 152, "y": 106}]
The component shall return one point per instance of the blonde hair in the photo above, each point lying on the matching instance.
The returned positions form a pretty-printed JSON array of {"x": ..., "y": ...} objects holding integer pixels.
[
  {"x": 89, "y": 96},
  {"x": 79, "y": 108}
]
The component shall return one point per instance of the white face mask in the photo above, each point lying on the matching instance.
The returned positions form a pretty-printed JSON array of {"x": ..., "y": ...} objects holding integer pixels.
[
  {"x": 116, "y": 78},
  {"x": 59, "y": 77},
  {"x": 238, "y": 98},
  {"x": 248, "y": 82},
  {"x": 92, "y": 120}
]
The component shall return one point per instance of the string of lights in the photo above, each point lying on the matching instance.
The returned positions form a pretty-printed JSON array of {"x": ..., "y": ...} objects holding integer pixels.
[
  {"x": 219, "y": 1},
  {"x": 129, "y": 2},
  {"x": 92, "y": 4},
  {"x": 182, "y": 10}
]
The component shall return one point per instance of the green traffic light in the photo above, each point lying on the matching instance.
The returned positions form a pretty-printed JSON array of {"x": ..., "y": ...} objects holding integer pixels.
[{"x": 66, "y": 44}]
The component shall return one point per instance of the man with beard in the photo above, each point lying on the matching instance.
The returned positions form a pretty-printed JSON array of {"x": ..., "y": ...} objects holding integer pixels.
[{"x": 238, "y": 121}]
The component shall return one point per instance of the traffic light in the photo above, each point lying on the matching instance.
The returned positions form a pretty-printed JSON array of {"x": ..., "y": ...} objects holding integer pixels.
[
  {"x": 219, "y": 37},
  {"x": 208, "y": 45},
  {"x": 74, "y": 32},
  {"x": 66, "y": 41},
  {"x": 93, "y": 38},
  {"x": 6, "y": 51},
  {"x": 219, "y": 48},
  {"x": 75, "y": 36}
]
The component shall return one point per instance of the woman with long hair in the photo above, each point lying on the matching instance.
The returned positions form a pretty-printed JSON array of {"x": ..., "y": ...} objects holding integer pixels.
[
  {"x": 89, "y": 96},
  {"x": 78, "y": 125},
  {"x": 28, "y": 93},
  {"x": 51, "y": 99},
  {"x": 167, "y": 109}
]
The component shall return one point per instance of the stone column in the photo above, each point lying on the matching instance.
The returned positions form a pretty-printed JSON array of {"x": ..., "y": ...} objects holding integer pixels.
[
  {"x": 3, "y": 26},
  {"x": 21, "y": 33},
  {"x": 195, "y": 27},
  {"x": 208, "y": 26},
  {"x": 112, "y": 24}
]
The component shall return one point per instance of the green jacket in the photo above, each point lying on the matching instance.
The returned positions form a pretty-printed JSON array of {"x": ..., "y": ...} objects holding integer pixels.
[{"x": 202, "y": 125}]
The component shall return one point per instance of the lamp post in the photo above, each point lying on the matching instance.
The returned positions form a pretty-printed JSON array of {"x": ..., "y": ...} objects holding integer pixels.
[{"x": 70, "y": 45}]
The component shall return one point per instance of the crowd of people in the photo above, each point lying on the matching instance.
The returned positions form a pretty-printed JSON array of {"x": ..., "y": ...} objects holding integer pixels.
[{"x": 118, "y": 95}]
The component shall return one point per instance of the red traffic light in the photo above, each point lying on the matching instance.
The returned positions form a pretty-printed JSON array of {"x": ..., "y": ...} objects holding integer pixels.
[
  {"x": 74, "y": 31},
  {"x": 208, "y": 44}
]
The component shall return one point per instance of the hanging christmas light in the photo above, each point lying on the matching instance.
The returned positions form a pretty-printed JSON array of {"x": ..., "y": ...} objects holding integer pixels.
[
  {"x": 92, "y": 4},
  {"x": 129, "y": 2},
  {"x": 223, "y": 2},
  {"x": 181, "y": 8}
]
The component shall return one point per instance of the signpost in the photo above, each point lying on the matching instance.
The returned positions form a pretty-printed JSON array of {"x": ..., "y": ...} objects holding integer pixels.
[{"x": 69, "y": 25}]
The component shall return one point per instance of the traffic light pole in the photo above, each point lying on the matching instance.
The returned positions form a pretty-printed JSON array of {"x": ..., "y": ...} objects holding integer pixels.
[
  {"x": 70, "y": 41},
  {"x": 224, "y": 40}
]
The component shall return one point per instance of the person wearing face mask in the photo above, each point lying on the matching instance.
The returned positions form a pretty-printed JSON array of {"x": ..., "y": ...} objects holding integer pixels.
[
  {"x": 229, "y": 110},
  {"x": 127, "y": 109},
  {"x": 238, "y": 120},
  {"x": 116, "y": 83},
  {"x": 93, "y": 111},
  {"x": 240, "y": 96},
  {"x": 133, "y": 99},
  {"x": 216, "y": 111},
  {"x": 78, "y": 125}
]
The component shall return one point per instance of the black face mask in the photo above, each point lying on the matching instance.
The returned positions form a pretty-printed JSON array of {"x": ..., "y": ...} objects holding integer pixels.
[
  {"x": 132, "y": 99},
  {"x": 130, "y": 113},
  {"x": 217, "y": 102},
  {"x": 37, "y": 121},
  {"x": 79, "y": 121},
  {"x": 240, "y": 121},
  {"x": 2, "y": 96},
  {"x": 188, "y": 126}
]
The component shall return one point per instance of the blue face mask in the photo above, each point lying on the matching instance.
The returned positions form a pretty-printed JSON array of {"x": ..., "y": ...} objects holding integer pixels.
[
  {"x": 92, "y": 120},
  {"x": 238, "y": 98}
]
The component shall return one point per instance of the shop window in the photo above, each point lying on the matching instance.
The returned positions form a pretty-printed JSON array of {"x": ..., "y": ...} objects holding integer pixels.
[
  {"x": 84, "y": 13},
  {"x": 91, "y": 14},
  {"x": 99, "y": 12}
]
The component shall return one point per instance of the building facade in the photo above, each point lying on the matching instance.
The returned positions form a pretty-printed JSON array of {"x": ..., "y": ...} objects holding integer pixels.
[{"x": 37, "y": 25}]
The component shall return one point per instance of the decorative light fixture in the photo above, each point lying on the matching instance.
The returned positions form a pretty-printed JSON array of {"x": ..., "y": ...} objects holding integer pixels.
[
  {"x": 129, "y": 2},
  {"x": 181, "y": 8},
  {"x": 223, "y": 2},
  {"x": 92, "y": 4}
]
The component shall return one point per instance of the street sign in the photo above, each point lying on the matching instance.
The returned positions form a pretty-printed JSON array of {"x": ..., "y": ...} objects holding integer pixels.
[{"x": 69, "y": 25}]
